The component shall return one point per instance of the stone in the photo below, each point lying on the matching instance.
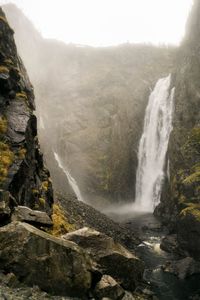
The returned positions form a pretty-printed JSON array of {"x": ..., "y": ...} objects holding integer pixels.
[
  {"x": 188, "y": 229},
  {"x": 107, "y": 287},
  {"x": 182, "y": 268},
  {"x": 112, "y": 258},
  {"x": 23, "y": 213},
  {"x": 170, "y": 243},
  {"x": 37, "y": 258}
]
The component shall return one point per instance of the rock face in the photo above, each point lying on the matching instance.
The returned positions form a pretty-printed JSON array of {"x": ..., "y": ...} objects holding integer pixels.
[
  {"x": 37, "y": 258},
  {"x": 23, "y": 178},
  {"x": 105, "y": 92},
  {"x": 180, "y": 205},
  {"x": 112, "y": 258}
]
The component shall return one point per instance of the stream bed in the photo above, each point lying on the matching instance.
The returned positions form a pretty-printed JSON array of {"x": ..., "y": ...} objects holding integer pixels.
[{"x": 166, "y": 286}]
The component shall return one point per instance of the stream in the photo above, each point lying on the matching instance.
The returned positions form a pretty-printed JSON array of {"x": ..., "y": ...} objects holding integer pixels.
[{"x": 165, "y": 286}]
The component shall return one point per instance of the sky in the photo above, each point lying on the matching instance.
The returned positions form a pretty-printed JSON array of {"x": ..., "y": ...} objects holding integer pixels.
[{"x": 108, "y": 22}]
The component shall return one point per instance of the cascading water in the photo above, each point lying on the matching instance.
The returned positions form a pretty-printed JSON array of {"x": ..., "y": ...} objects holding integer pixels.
[
  {"x": 153, "y": 146},
  {"x": 71, "y": 180}
]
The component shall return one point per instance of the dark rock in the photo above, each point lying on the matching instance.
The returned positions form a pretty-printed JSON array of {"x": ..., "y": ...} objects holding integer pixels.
[
  {"x": 112, "y": 258},
  {"x": 188, "y": 230},
  {"x": 109, "y": 288},
  {"x": 35, "y": 257},
  {"x": 182, "y": 268},
  {"x": 22, "y": 174},
  {"x": 170, "y": 243},
  {"x": 23, "y": 213}
]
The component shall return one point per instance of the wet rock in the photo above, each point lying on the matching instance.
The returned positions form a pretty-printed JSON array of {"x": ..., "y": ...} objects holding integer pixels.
[
  {"x": 37, "y": 258},
  {"x": 189, "y": 231},
  {"x": 170, "y": 243},
  {"x": 182, "y": 268},
  {"x": 112, "y": 258},
  {"x": 109, "y": 288},
  {"x": 23, "y": 213}
]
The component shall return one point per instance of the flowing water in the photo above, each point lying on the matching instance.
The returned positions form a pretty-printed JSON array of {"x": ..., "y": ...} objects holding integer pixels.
[
  {"x": 153, "y": 146},
  {"x": 71, "y": 180},
  {"x": 166, "y": 286}
]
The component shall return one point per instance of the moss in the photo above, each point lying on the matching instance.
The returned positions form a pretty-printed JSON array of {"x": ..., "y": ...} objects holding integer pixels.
[
  {"x": 194, "y": 177},
  {"x": 4, "y": 69},
  {"x": 45, "y": 185},
  {"x": 21, "y": 153},
  {"x": 22, "y": 95},
  {"x": 42, "y": 201},
  {"x": 60, "y": 223},
  {"x": 193, "y": 209},
  {"x": 6, "y": 159},
  {"x": 3, "y": 125},
  {"x": 35, "y": 192}
]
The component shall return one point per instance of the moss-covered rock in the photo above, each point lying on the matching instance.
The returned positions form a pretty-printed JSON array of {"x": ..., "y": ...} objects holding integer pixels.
[{"x": 21, "y": 163}]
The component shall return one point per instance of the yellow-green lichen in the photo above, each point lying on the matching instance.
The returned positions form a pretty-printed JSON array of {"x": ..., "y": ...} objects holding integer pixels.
[
  {"x": 60, "y": 223},
  {"x": 45, "y": 185},
  {"x": 3, "y": 125},
  {"x": 42, "y": 201},
  {"x": 193, "y": 210},
  {"x": 22, "y": 95},
  {"x": 6, "y": 159},
  {"x": 194, "y": 177},
  {"x": 21, "y": 153}
]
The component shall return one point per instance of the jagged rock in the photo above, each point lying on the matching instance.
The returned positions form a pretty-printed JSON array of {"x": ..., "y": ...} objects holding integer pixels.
[
  {"x": 35, "y": 257},
  {"x": 22, "y": 171},
  {"x": 109, "y": 288},
  {"x": 23, "y": 213},
  {"x": 182, "y": 268},
  {"x": 113, "y": 259}
]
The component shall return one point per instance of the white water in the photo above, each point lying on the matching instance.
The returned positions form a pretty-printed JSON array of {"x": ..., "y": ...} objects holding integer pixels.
[
  {"x": 71, "y": 180},
  {"x": 153, "y": 146}
]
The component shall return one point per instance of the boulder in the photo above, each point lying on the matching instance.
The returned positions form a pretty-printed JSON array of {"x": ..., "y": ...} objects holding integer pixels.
[
  {"x": 23, "y": 213},
  {"x": 107, "y": 287},
  {"x": 37, "y": 258},
  {"x": 170, "y": 243},
  {"x": 112, "y": 258},
  {"x": 182, "y": 268}
]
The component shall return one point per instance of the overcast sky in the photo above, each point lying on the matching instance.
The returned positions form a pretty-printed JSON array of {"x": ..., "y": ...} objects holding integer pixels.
[{"x": 108, "y": 22}]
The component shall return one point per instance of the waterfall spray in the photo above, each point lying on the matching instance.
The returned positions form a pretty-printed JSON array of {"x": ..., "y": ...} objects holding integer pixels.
[{"x": 153, "y": 146}]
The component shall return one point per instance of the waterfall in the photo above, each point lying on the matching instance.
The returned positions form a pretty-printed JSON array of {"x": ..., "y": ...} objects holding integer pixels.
[
  {"x": 71, "y": 180},
  {"x": 153, "y": 146}
]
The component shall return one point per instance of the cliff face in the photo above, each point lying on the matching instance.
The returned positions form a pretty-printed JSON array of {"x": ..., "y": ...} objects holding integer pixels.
[
  {"x": 23, "y": 178},
  {"x": 180, "y": 205},
  {"x": 95, "y": 99}
]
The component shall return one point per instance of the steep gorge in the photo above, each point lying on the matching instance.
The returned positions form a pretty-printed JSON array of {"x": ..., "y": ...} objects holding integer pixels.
[{"x": 95, "y": 99}]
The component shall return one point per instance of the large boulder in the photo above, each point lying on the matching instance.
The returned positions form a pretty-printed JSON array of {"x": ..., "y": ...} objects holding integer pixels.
[
  {"x": 112, "y": 258},
  {"x": 37, "y": 258}
]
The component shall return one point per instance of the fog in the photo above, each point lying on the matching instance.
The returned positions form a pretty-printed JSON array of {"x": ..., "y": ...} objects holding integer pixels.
[
  {"x": 91, "y": 101},
  {"x": 108, "y": 22}
]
